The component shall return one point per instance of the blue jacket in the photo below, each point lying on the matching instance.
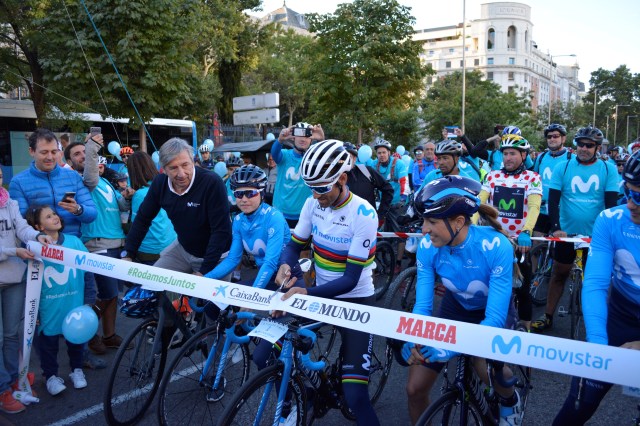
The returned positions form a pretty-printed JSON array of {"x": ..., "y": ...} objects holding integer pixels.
[{"x": 35, "y": 187}]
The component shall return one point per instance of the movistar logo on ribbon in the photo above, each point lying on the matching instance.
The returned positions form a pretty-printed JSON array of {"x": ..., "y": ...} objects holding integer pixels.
[
  {"x": 80, "y": 259},
  {"x": 503, "y": 205},
  {"x": 362, "y": 210},
  {"x": 505, "y": 348}
]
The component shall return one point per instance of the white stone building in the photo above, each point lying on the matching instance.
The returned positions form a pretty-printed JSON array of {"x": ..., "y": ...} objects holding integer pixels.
[{"x": 501, "y": 45}]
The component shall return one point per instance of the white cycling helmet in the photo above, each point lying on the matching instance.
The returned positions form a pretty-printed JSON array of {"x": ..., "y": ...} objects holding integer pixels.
[{"x": 324, "y": 162}]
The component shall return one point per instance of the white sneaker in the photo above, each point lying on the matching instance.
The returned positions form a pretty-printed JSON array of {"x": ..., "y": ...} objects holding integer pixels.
[
  {"x": 77, "y": 377},
  {"x": 55, "y": 385},
  {"x": 511, "y": 416}
]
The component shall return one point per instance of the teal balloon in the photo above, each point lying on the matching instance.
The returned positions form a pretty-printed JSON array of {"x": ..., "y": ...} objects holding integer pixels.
[
  {"x": 220, "y": 168},
  {"x": 406, "y": 159},
  {"x": 271, "y": 137},
  {"x": 80, "y": 325},
  {"x": 400, "y": 150},
  {"x": 113, "y": 148},
  {"x": 155, "y": 157},
  {"x": 364, "y": 153}
]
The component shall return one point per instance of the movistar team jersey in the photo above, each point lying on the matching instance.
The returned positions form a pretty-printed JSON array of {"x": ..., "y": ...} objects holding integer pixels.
[
  {"x": 263, "y": 233},
  {"x": 582, "y": 189},
  {"x": 478, "y": 272},
  {"x": 509, "y": 194},
  {"x": 495, "y": 159},
  {"x": 290, "y": 192},
  {"x": 341, "y": 234},
  {"x": 107, "y": 224},
  {"x": 62, "y": 290},
  {"x": 467, "y": 171},
  {"x": 614, "y": 256},
  {"x": 544, "y": 167},
  {"x": 161, "y": 232},
  {"x": 400, "y": 179}
]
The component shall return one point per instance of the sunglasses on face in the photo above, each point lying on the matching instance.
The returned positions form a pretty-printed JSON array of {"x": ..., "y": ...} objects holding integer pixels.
[
  {"x": 321, "y": 190},
  {"x": 249, "y": 193},
  {"x": 554, "y": 136},
  {"x": 585, "y": 145},
  {"x": 632, "y": 195}
]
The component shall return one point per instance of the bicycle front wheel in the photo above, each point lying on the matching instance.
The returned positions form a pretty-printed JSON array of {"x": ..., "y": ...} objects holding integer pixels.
[
  {"x": 256, "y": 401},
  {"x": 379, "y": 368},
  {"x": 540, "y": 274},
  {"x": 448, "y": 410},
  {"x": 402, "y": 291},
  {"x": 193, "y": 390},
  {"x": 385, "y": 259},
  {"x": 134, "y": 377},
  {"x": 578, "y": 331}
]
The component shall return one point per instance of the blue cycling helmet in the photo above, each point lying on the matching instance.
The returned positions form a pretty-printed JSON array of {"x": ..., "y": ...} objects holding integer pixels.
[
  {"x": 553, "y": 127},
  {"x": 449, "y": 196},
  {"x": 511, "y": 130},
  {"x": 139, "y": 303},
  {"x": 631, "y": 173}
]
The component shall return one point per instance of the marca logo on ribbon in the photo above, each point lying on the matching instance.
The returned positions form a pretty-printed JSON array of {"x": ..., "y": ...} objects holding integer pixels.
[
  {"x": 52, "y": 253},
  {"x": 503, "y": 205},
  {"x": 439, "y": 332},
  {"x": 564, "y": 354}
]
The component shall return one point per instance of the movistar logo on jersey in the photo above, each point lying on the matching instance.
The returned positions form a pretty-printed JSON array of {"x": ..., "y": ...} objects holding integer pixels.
[
  {"x": 503, "y": 205},
  {"x": 53, "y": 276},
  {"x": 364, "y": 211},
  {"x": 425, "y": 243},
  {"x": 292, "y": 174},
  {"x": 488, "y": 246},
  {"x": 107, "y": 195},
  {"x": 331, "y": 238},
  {"x": 547, "y": 173},
  {"x": 259, "y": 247},
  {"x": 583, "y": 186},
  {"x": 505, "y": 348},
  {"x": 612, "y": 213}
]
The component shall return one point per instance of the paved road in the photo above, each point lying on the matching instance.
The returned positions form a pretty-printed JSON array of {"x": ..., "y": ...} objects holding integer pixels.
[{"x": 83, "y": 407}]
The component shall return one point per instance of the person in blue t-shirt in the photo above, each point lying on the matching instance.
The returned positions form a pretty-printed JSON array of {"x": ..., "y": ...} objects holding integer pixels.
[
  {"x": 610, "y": 292},
  {"x": 579, "y": 190},
  {"x": 449, "y": 154},
  {"x": 556, "y": 135},
  {"x": 290, "y": 192}
]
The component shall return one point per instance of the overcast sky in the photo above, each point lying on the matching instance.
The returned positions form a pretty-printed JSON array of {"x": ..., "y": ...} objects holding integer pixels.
[{"x": 603, "y": 34}]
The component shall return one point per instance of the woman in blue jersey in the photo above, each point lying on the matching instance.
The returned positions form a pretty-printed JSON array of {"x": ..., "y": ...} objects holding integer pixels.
[
  {"x": 475, "y": 264},
  {"x": 610, "y": 319},
  {"x": 142, "y": 171}
]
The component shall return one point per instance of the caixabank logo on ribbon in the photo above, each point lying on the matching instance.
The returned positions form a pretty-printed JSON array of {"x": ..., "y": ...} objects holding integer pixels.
[
  {"x": 243, "y": 293},
  {"x": 330, "y": 310},
  {"x": 515, "y": 346}
]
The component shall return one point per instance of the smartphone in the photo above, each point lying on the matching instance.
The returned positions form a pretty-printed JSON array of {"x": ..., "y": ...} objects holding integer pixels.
[
  {"x": 68, "y": 196},
  {"x": 302, "y": 132},
  {"x": 95, "y": 130},
  {"x": 451, "y": 132}
]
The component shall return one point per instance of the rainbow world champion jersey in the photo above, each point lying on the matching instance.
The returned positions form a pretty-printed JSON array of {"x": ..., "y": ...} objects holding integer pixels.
[{"x": 341, "y": 234}]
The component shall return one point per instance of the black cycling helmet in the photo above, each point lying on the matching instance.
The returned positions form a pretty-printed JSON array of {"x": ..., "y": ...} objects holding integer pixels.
[
  {"x": 351, "y": 148},
  {"x": 631, "y": 172},
  {"x": 449, "y": 196},
  {"x": 591, "y": 133},
  {"x": 234, "y": 162},
  {"x": 248, "y": 176},
  {"x": 553, "y": 127}
]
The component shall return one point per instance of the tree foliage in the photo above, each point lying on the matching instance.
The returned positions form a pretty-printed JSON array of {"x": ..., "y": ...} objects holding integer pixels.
[
  {"x": 486, "y": 105},
  {"x": 366, "y": 64}
]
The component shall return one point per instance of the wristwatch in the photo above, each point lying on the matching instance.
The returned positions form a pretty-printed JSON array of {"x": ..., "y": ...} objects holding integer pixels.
[
  {"x": 79, "y": 210},
  {"x": 126, "y": 254}
]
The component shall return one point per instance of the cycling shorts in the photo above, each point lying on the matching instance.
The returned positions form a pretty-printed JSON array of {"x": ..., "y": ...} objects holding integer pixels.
[
  {"x": 542, "y": 224},
  {"x": 356, "y": 349},
  {"x": 566, "y": 253}
]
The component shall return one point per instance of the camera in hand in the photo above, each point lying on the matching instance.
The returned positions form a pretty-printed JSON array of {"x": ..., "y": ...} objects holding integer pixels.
[{"x": 302, "y": 132}]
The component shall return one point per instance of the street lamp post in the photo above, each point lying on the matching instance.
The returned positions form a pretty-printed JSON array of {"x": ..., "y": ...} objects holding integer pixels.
[
  {"x": 551, "y": 79},
  {"x": 595, "y": 103},
  {"x": 628, "y": 117},
  {"x": 615, "y": 125}
]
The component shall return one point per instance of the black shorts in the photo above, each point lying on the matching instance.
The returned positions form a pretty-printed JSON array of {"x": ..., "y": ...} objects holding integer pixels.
[
  {"x": 356, "y": 349},
  {"x": 542, "y": 224}
]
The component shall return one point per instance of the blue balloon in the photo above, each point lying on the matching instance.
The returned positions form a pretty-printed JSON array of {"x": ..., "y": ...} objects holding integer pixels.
[
  {"x": 364, "y": 153},
  {"x": 220, "y": 168},
  {"x": 400, "y": 150},
  {"x": 113, "y": 148},
  {"x": 271, "y": 137},
  {"x": 80, "y": 325},
  {"x": 406, "y": 159},
  {"x": 155, "y": 157}
]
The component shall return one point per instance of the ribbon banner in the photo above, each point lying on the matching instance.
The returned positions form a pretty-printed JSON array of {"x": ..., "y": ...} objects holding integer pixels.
[
  {"x": 405, "y": 235},
  {"x": 599, "y": 362}
]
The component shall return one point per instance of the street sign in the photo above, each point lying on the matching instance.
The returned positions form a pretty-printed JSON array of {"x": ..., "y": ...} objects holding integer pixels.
[
  {"x": 265, "y": 100},
  {"x": 260, "y": 116}
]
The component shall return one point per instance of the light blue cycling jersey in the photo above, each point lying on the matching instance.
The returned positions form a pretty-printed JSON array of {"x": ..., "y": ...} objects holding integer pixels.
[
  {"x": 107, "y": 223},
  {"x": 160, "y": 233},
  {"x": 264, "y": 234},
  {"x": 466, "y": 170},
  {"x": 400, "y": 179},
  {"x": 290, "y": 192},
  {"x": 544, "y": 167},
  {"x": 478, "y": 272},
  {"x": 614, "y": 256},
  {"x": 582, "y": 189},
  {"x": 497, "y": 163},
  {"x": 230, "y": 197}
]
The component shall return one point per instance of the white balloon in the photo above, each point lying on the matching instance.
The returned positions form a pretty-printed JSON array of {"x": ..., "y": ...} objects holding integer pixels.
[
  {"x": 406, "y": 159},
  {"x": 400, "y": 150},
  {"x": 270, "y": 137}
]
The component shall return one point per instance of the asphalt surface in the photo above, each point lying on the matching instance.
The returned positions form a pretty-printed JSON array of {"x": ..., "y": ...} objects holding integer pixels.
[{"x": 84, "y": 407}]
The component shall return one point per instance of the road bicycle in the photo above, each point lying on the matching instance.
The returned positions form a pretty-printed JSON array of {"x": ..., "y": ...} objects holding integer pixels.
[
  {"x": 466, "y": 400},
  {"x": 295, "y": 389},
  {"x": 541, "y": 264},
  {"x": 577, "y": 330},
  {"x": 402, "y": 292},
  {"x": 208, "y": 369},
  {"x": 136, "y": 373},
  {"x": 385, "y": 262}
]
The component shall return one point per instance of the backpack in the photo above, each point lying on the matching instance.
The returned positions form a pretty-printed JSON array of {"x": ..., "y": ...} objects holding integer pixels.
[{"x": 539, "y": 159}]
